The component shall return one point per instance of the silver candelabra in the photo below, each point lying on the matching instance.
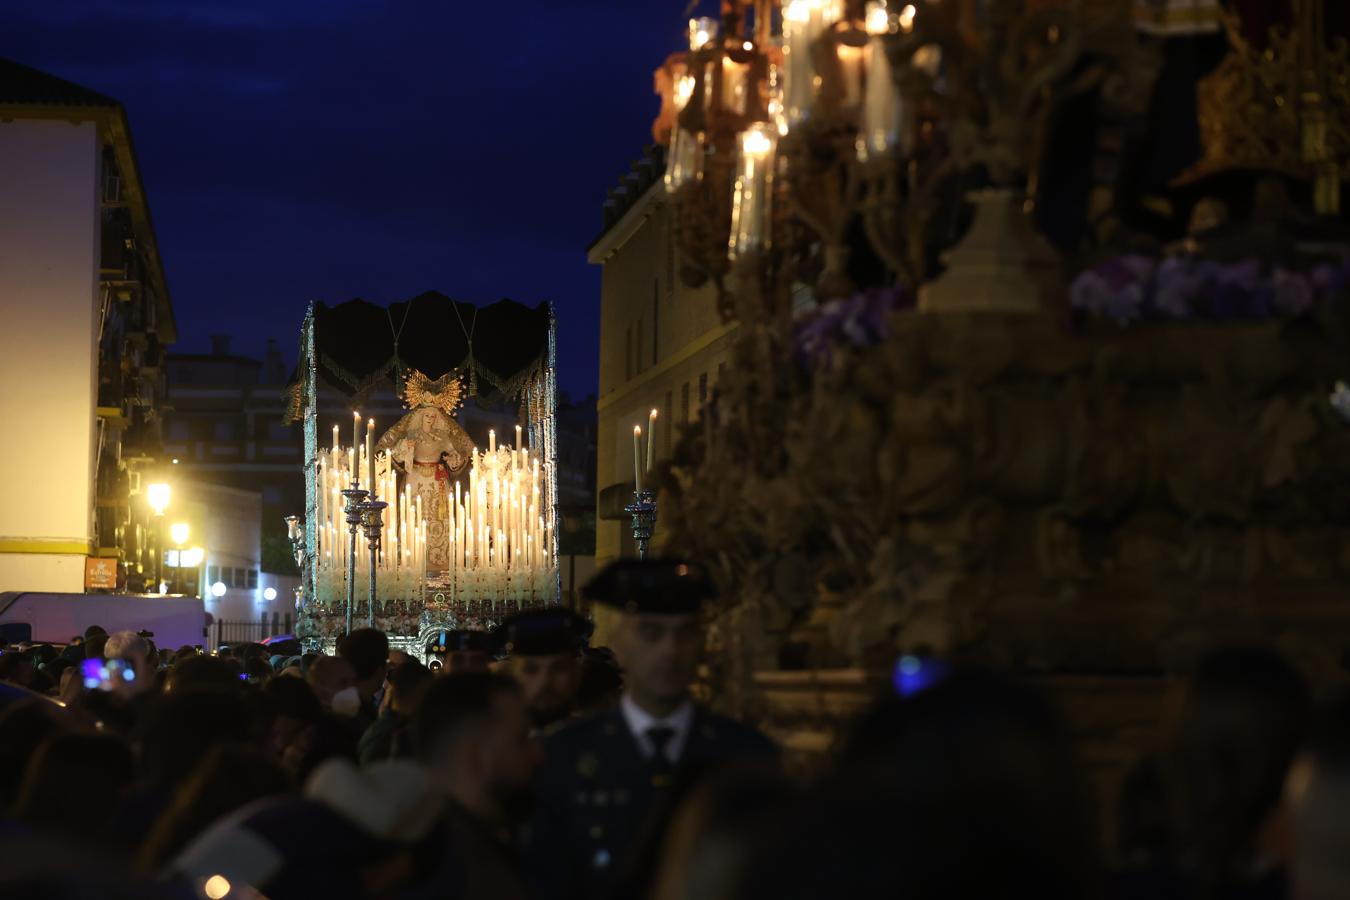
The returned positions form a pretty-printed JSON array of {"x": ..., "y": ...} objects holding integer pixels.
[
  {"x": 372, "y": 521},
  {"x": 356, "y": 498},
  {"x": 643, "y": 511}
]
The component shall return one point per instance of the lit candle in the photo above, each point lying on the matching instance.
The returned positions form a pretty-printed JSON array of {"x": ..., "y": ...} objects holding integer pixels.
[
  {"x": 519, "y": 444},
  {"x": 370, "y": 448},
  {"x": 335, "y": 437},
  {"x": 751, "y": 197},
  {"x": 804, "y": 21},
  {"x": 356, "y": 439},
  {"x": 492, "y": 441},
  {"x": 637, "y": 457},
  {"x": 850, "y": 71},
  {"x": 651, "y": 439},
  {"x": 882, "y": 112}
]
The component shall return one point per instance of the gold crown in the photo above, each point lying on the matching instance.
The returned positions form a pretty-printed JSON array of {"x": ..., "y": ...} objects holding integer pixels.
[
  {"x": 1283, "y": 109},
  {"x": 445, "y": 393}
]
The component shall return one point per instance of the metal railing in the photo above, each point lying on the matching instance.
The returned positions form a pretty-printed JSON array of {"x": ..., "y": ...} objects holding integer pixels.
[{"x": 255, "y": 631}]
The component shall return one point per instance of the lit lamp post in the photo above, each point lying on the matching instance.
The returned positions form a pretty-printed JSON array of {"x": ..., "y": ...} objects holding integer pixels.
[
  {"x": 179, "y": 531},
  {"x": 157, "y": 495}
]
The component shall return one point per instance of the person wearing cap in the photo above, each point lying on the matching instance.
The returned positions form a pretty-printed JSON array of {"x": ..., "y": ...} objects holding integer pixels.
[
  {"x": 461, "y": 650},
  {"x": 611, "y": 776},
  {"x": 542, "y": 648}
]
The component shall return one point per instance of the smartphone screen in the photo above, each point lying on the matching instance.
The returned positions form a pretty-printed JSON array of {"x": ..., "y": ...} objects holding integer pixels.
[{"x": 107, "y": 674}]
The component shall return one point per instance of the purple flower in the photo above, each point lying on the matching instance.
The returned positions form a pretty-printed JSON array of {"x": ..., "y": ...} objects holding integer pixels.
[
  {"x": 1293, "y": 292},
  {"x": 1115, "y": 289},
  {"x": 1180, "y": 280},
  {"x": 861, "y": 320},
  {"x": 1238, "y": 292}
]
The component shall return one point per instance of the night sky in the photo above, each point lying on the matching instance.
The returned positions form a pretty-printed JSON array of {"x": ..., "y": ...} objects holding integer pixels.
[{"x": 295, "y": 150}]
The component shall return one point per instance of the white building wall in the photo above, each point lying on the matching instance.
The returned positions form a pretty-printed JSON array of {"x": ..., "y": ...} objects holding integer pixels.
[{"x": 49, "y": 258}]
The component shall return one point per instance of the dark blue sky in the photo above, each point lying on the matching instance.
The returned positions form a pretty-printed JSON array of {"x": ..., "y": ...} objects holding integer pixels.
[{"x": 295, "y": 150}]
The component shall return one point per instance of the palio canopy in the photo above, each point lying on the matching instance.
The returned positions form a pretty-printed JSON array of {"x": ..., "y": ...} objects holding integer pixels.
[{"x": 498, "y": 349}]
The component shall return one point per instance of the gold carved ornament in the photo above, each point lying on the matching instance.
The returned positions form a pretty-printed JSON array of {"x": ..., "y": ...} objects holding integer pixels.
[{"x": 445, "y": 393}]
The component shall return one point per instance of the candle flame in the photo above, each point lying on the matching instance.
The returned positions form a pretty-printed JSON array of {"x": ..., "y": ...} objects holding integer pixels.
[
  {"x": 879, "y": 18},
  {"x": 907, "y": 17},
  {"x": 756, "y": 143},
  {"x": 637, "y": 430}
]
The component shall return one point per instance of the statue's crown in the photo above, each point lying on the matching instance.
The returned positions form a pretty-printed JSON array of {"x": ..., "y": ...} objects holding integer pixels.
[{"x": 445, "y": 393}]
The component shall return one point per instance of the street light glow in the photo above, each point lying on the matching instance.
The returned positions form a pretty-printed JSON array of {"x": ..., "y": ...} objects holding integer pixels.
[
  {"x": 192, "y": 557},
  {"x": 179, "y": 532},
  {"x": 218, "y": 589},
  {"x": 157, "y": 495},
  {"x": 269, "y": 594}
]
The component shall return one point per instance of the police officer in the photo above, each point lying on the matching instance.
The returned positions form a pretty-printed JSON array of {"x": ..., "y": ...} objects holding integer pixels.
[
  {"x": 542, "y": 648},
  {"x": 608, "y": 775}
]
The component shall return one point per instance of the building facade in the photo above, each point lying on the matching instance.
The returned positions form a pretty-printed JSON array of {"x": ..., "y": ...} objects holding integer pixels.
[
  {"x": 87, "y": 316},
  {"x": 662, "y": 344}
]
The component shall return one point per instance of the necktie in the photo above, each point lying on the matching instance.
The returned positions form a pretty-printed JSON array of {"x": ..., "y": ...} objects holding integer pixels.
[{"x": 660, "y": 736}]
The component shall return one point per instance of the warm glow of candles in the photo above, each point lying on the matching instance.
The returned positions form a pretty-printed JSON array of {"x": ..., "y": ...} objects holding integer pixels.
[
  {"x": 356, "y": 439},
  {"x": 637, "y": 457}
]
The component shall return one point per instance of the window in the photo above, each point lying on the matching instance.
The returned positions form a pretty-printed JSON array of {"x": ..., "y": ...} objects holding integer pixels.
[
  {"x": 271, "y": 495},
  {"x": 212, "y": 574},
  {"x": 279, "y": 432},
  {"x": 225, "y": 431},
  {"x": 252, "y": 582},
  {"x": 180, "y": 430},
  {"x": 684, "y": 403}
]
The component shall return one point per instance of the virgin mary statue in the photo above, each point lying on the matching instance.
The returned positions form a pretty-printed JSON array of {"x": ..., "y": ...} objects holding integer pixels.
[{"x": 431, "y": 450}]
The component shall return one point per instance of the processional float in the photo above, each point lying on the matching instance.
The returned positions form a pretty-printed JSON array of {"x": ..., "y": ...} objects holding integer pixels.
[{"x": 418, "y": 528}]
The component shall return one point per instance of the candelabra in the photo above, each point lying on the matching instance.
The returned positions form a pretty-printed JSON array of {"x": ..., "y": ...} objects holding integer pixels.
[
  {"x": 643, "y": 511},
  {"x": 372, "y": 520},
  {"x": 355, "y": 497}
]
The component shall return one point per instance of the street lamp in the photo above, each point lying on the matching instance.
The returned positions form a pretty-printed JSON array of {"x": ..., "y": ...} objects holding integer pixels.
[
  {"x": 179, "y": 532},
  {"x": 157, "y": 495}
]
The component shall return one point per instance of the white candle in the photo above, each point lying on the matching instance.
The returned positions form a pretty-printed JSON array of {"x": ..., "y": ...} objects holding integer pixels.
[
  {"x": 750, "y": 202},
  {"x": 651, "y": 439},
  {"x": 370, "y": 450},
  {"x": 637, "y": 457},
  {"x": 335, "y": 437},
  {"x": 356, "y": 435},
  {"x": 492, "y": 441}
]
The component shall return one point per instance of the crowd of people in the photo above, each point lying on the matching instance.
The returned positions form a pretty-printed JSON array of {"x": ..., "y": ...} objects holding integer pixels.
[{"x": 527, "y": 764}]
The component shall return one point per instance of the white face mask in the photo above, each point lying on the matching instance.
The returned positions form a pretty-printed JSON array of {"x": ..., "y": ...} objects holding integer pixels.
[{"x": 346, "y": 702}]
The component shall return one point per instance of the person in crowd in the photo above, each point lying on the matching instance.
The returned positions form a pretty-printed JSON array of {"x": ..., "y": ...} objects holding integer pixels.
[
  {"x": 198, "y": 671},
  {"x": 542, "y": 648},
  {"x": 601, "y": 682},
  {"x": 966, "y": 788},
  {"x": 182, "y": 728},
  {"x": 17, "y": 668},
  {"x": 708, "y": 846},
  {"x": 24, "y": 726},
  {"x": 1318, "y": 794},
  {"x": 356, "y": 833},
  {"x": 390, "y": 735},
  {"x": 473, "y": 737},
  {"x": 139, "y": 665},
  {"x": 605, "y": 774},
  {"x": 1246, "y": 713},
  {"x": 368, "y": 652},
  {"x": 462, "y": 650},
  {"x": 228, "y": 778},
  {"x": 64, "y": 775},
  {"x": 334, "y": 682}
]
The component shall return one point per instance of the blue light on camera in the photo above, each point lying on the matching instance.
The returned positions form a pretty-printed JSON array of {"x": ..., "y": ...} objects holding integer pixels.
[{"x": 914, "y": 674}]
